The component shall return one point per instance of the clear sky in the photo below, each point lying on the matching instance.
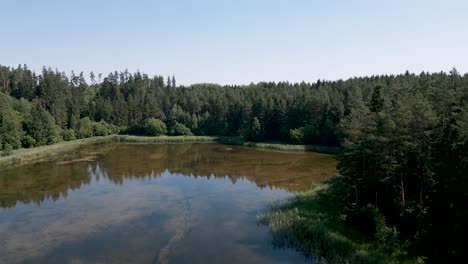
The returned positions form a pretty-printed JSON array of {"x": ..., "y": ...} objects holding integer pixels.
[{"x": 237, "y": 41}]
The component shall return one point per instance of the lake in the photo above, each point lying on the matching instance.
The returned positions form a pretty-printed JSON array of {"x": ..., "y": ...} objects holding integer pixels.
[{"x": 155, "y": 203}]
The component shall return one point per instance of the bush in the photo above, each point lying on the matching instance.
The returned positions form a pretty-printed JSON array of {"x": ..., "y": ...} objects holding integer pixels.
[
  {"x": 85, "y": 128},
  {"x": 68, "y": 134},
  {"x": 28, "y": 142},
  {"x": 102, "y": 128},
  {"x": 180, "y": 130},
  {"x": 11, "y": 138},
  {"x": 155, "y": 127},
  {"x": 7, "y": 149},
  {"x": 296, "y": 135},
  {"x": 309, "y": 134},
  {"x": 135, "y": 129},
  {"x": 373, "y": 223}
]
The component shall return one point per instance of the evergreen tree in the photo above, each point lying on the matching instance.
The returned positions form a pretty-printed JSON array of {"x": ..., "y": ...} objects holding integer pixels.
[
  {"x": 173, "y": 81},
  {"x": 42, "y": 127}
]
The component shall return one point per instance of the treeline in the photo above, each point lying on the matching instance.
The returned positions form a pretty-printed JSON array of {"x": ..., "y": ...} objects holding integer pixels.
[
  {"x": 405, "y": 165},
  {"x": 49, "y": 107},
  {"x": 404, "y": 137}
]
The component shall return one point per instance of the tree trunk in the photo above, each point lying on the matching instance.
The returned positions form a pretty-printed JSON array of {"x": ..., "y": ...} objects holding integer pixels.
[
  {"x": 420, "y": 197},
  {"x": 376, "y": 199},
  {"x": 420, "y": 223},
  {"x": 356, "y": 194},
  {"x": 402, "y": 192}
]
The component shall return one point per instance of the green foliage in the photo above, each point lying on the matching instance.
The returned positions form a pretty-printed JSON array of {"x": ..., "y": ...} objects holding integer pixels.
[
  {"x": 6, "y": 149},
  {"x": 377, "y": 102},
  {"x": 373, "y": 224},
  {"x": 11, "y": 132},
  {"x": 10, "y": 125},
  {"x": 21, "y": 157},
  {"x": 209, "y": 125},
  {"x": 313, "y": 135},
  {"x": 407, "y": 161},
  {"x": 27, "y": 141},
  {"x": 85, "y": 128},
  {"x": 68, "y": 134},
  {"x": 155, "y": 127},
  {"x": 135, "y": 129},
  {"x": 403, "y": 137},
  {"x": 313, "y": 222},
  {"x": 178, "y": 115},
  {"x": 254, "y": 131},
  {"x": 42, "y": 127},
  {"x": 102, "y": 128},
  {"x": 179, "y": 129},
  {"x": 296, "y": 135},
  {"x": 207, "y": 109}
]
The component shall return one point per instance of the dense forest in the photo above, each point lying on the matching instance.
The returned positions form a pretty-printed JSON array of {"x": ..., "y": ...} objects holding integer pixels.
[{"x": 404, "y": 138}]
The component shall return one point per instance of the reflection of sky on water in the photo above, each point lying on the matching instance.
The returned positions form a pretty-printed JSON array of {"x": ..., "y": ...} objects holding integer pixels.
[
  {"x": 148, "y": 210},
  {"x": 182, "y": 203},
  {"x": 54, "y": 179}
]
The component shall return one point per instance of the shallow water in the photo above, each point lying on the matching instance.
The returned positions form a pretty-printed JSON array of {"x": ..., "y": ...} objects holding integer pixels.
[{"x": 161, "y": 203}]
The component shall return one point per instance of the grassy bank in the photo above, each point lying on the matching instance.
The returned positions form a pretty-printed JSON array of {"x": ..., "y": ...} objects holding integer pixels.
[
  {"x": 313, "y": 224},
  {"x": 277, "y": 145},
  {"x": 23, "y": 156}
]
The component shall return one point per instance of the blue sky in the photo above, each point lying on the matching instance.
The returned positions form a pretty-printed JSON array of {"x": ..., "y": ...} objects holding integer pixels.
[{"x": 237, "y": 42}]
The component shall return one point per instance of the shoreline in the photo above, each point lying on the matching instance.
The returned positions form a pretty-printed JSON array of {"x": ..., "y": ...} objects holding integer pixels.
[
  {"x": 314, "y": 224},
  {"x": 36, "y": 154}
]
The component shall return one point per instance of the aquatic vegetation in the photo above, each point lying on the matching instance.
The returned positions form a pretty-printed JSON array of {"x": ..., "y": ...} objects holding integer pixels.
[
  {"x": 151, "y": 203},
  {"x": 313, "y": 224},
  {"x": 23, "y": 156}
]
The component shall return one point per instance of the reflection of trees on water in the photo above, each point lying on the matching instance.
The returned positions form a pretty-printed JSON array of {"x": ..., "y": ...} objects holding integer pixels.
[
  {"x": 42, "y": 182},
  {"x": 265, "y": 169},
  {"x": 98, "y": 173},
  {"x": 289, "y": 171}
]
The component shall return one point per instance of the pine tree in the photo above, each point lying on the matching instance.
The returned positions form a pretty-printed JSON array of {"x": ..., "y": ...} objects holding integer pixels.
[{"x": 173, "y": 81}]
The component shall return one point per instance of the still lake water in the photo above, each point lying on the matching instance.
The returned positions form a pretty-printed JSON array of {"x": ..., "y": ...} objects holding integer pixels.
[{"x": 160, "y": 203}]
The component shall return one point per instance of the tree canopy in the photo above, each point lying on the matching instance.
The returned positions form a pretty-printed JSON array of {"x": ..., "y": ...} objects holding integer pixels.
[{"x": 404, "y": 138}]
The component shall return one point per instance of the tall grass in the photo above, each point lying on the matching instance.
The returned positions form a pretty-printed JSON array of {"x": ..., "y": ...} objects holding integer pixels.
[
  {"x": 313, "y": 224},
  {"x": 236, "y": 141},
  {"x": 277, "y": 145}
]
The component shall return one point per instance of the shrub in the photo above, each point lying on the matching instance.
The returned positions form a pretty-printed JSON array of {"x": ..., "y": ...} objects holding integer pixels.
[
  {"x": 180, "y": 130},
  {"x": 155, "y": 127},
  {"x": 309, "y": 134},
  {"x": 102, "y": 128},
  {"x": 68, "y": 134},
  {"x": 6, "y": 150},
  {"x": 135, "y": 129},
  {"x": 27, "y": 141},
  {"x": 296, "y": 135},
  {"x": 85, "y": 128}
]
